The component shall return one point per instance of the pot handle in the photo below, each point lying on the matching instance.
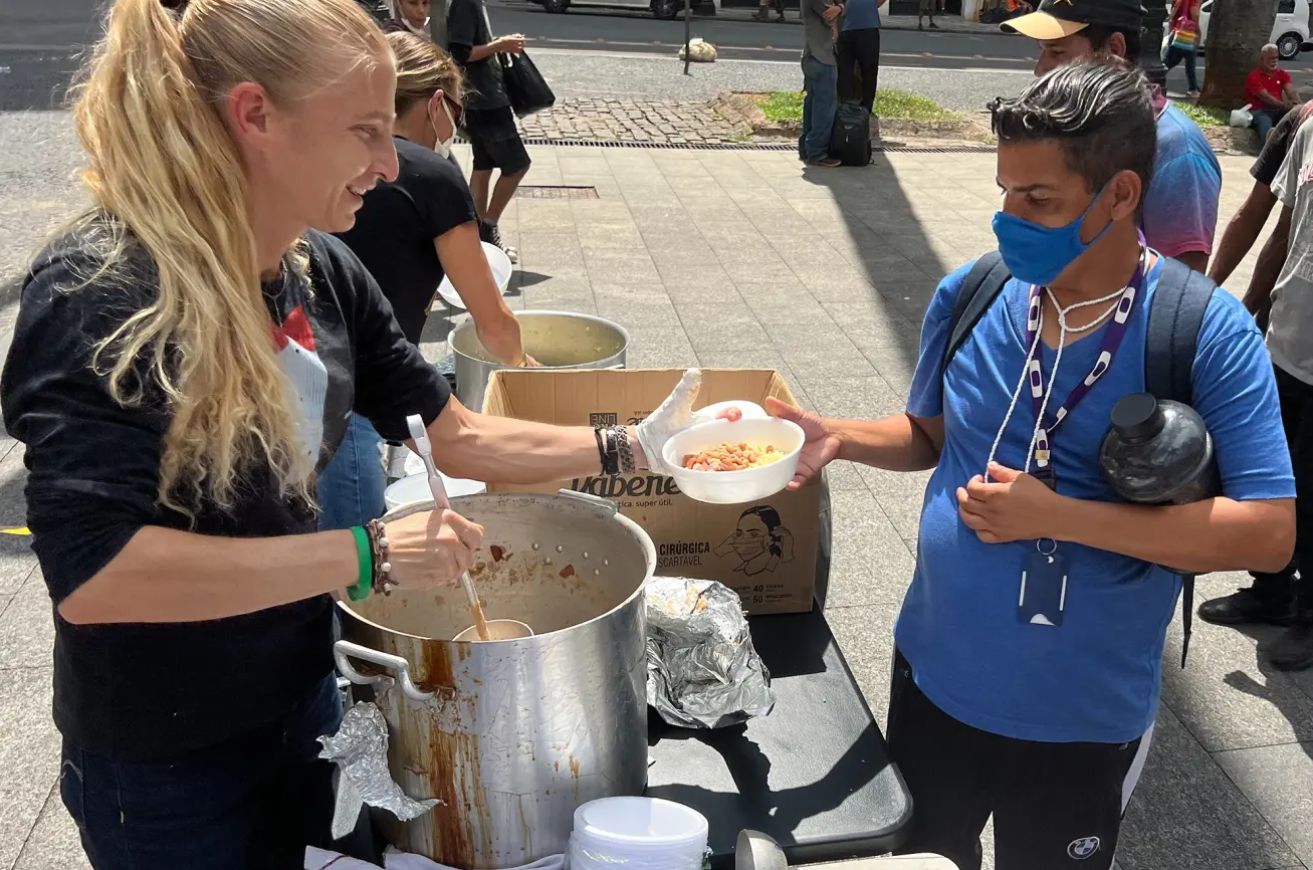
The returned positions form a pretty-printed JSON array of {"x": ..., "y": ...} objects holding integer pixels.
[
  {"x": 345, "y": 650},
  {"x": 595, "y": 501}
]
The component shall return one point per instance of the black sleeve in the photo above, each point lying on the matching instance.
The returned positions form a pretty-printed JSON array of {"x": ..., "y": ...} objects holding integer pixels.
[
  {"x": 1269, "y": 160},
  {"x": 438, "y": 189},
  {"x": 462, "y": 29},
  {"x": 392, "y": 378},
  {"x": 93, "y": 465}
]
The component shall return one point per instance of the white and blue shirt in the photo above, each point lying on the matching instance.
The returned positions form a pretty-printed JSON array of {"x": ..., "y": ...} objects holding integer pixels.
[{"x": 1096, "y": 677}]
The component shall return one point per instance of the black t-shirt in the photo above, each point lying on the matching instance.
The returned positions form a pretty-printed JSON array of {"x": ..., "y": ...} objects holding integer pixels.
[
  {"x": 396, "y": 227},
  {"x": 1274, "y": 151},
  {"x": 466, "y": 29},
  {"x": 160, "y": 690}
]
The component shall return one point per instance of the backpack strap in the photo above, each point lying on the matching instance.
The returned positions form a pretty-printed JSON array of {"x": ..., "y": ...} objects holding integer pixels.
[
  {"x": 982, "y": 285},
  {"x": 1175, "y": 316}
]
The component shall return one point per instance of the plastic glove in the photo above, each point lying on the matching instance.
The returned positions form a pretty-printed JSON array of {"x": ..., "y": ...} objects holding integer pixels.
[{"x": 673, "y": 416}]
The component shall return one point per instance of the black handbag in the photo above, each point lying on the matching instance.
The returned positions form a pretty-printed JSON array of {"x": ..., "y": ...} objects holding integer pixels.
[{"x": 526, "y": 88}]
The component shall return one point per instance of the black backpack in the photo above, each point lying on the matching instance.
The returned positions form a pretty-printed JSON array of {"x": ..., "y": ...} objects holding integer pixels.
[
  {"x": 1175, "y": 315},
  {"x": 850, "y": 141}
]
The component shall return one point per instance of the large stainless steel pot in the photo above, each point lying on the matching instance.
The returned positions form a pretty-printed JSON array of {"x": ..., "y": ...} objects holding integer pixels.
[
  {"x": 557, "y": 339},
  {"x": 514, "y": 735}
]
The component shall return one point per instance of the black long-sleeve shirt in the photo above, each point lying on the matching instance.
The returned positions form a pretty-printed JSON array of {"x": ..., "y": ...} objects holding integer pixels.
[{"x": 159, "y": 690}]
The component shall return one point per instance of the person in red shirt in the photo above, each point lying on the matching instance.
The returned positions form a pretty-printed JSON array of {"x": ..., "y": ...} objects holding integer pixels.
[{"x": 1270, "y": 92}]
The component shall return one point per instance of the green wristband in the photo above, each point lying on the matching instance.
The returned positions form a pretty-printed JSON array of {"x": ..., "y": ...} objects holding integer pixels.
[{"x": 365, "y": 554}]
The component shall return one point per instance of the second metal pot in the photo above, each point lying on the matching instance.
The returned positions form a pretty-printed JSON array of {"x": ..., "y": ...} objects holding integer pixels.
[{"x": 557, "y": 339}]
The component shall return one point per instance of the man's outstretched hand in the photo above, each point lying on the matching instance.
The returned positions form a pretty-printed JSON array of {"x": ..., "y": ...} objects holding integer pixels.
[{"x": 821, "y": 447}]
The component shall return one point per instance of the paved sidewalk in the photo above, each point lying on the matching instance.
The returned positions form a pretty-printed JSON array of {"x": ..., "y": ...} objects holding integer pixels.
[{"x": 740, "y": 258}]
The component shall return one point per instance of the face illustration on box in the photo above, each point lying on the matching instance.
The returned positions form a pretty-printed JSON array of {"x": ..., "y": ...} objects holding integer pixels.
[{"x": 760, "y": 542}]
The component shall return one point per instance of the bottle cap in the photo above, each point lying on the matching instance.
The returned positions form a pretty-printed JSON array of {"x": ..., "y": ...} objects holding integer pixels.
[{"x": 1137, "y": 416}]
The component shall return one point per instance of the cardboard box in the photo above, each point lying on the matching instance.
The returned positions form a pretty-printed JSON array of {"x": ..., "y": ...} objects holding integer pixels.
[{"x": 766, "y": 551}]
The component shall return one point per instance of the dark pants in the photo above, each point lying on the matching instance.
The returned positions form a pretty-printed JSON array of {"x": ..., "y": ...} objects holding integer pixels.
[
  {"x": 1297, "y": 418},
  {"x": 1055, "y": 805},
  {"x": 819, "y": 104},
  {"x": 1176, "y": 55},
  {"x": 858, "y": 53},
  {"x": 1265, "y": 120},
  {"x": 253, "y": 803}
]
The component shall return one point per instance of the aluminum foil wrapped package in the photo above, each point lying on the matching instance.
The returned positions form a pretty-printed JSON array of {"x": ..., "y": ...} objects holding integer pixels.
[
  {"x": 702, "y": 670},
  {"x": 360, "y": 750}
]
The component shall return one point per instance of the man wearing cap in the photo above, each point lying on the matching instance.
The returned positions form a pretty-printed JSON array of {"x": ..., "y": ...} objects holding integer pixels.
[{"x": 1180, "y": 208}]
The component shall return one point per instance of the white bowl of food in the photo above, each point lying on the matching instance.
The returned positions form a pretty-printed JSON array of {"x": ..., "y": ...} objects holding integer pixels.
[{"x": 724, "y": 462}]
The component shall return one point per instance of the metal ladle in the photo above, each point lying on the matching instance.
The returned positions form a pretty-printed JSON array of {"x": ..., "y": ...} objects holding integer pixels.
[{"x": 440, "y": 502}]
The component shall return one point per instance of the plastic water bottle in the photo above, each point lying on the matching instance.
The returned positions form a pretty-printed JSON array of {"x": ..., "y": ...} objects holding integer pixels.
[{"x": 1158, "y": 452}]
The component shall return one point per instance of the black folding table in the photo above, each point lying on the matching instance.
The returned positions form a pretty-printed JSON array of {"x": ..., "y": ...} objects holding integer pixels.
[{"x": 815, "y": 774}]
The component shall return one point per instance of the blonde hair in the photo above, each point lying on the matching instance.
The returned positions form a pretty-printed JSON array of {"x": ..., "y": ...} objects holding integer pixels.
[
  {"x": 163, "y": 167},
  {"x": 422, "y": 70}
]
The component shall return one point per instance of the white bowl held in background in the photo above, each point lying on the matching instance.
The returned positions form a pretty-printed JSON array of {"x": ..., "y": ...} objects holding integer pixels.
[
  {"x": 501, "y": 273},
  {"x": 415, "y": 487},
  {"x": 735, "y": 487}
]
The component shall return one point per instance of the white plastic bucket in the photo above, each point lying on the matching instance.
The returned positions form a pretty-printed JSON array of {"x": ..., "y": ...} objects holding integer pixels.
[
  {"x": 501, "y": 273},
  {"x": 415, "y": 487},
  {"x": 637, "y": 833}
]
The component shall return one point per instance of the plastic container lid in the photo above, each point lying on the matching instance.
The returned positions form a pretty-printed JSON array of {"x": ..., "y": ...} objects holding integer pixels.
[{"x": 640, "y": 826}]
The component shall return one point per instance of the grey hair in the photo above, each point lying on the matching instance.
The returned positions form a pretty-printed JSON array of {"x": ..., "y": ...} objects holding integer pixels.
[
  {"x": 1102, "y": 117},
  {"x": 1272, "y": 47}
]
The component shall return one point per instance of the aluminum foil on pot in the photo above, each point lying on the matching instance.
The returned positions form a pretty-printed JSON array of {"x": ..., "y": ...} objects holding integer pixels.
[
  {"x": 360, "y": 750},
  {"x": 702, "y": 670}
]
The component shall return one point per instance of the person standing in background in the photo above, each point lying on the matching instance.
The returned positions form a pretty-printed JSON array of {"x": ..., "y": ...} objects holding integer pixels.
[
  {"x": 409, "y": 233},
  {"x": 489, "y": 121},
  {"x": 1248, "y": 221},
  {"x": 1279, "y": 599},
  {"x": 1184, "y": 43},
  {"x": 763, "y": 11},
  {"x": 858, "y": 54},
  {"x": 820, "y": 81},
  {"x": 408, "y": 16},
  {"x": 929, "y": 7},
  {"x": 1179, "y": 210},
  {"x": 1270, "y": 92}
]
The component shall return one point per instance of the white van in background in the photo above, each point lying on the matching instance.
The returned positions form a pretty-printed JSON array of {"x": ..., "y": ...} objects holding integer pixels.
[{"x": 1290, "y": 33}]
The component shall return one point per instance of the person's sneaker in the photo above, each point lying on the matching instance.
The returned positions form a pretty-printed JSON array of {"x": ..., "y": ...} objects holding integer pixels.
[
  {"x": 762, "y": 14},
  {"x": 491, "y": 234},
  {"x": 825, "y": 163},
  {"x": 1246, "y": 607},
  {"x": 1293, "y": 650}
]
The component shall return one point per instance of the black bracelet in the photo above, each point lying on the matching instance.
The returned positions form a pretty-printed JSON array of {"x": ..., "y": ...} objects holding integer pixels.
[
  {"x": 601, "y": 448},
  {"x": 611, "y": 456}
]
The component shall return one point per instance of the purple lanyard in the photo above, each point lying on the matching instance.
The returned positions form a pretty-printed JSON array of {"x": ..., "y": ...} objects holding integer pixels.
[{"x": 1112, "y": 340}]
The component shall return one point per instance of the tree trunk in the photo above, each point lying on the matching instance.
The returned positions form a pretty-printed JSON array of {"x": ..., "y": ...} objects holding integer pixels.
[{"x": 1237, "y": 31}]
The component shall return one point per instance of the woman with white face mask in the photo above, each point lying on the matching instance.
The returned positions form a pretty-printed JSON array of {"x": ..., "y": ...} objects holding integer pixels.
[
  {"x": 409, "y": 16},
  {"x": 409, "y": 234}
]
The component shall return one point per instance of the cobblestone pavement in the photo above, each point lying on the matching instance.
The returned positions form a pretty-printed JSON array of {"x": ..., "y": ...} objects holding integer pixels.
[{"x": 630, "y": 120}]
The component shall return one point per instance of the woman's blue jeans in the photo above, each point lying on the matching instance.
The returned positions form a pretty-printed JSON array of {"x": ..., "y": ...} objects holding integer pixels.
[{"x": 351, "y": 487}]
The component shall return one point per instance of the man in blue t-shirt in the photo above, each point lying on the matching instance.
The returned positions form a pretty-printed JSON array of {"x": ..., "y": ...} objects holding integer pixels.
[
  {"x": 1179, "y": 216},
  {"x": 1029, "y": 646}
]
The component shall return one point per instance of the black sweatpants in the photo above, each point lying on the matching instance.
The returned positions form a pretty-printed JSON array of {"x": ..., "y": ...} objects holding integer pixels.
[
  {"x": 858, "y": 54},
  {"x": 1055, "y": 805},
  {"x": 1297, "y": 419}
]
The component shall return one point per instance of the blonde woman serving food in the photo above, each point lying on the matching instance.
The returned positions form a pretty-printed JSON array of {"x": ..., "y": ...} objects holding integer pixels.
[{"x": 185, "y": 357}]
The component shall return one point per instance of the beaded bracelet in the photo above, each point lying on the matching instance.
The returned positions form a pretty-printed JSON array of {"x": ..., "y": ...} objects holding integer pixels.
[{"x": 382, "y": 573}]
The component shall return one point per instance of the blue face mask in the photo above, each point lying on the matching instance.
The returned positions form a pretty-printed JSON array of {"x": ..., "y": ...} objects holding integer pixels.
[{"x": 1038, "y": 254}]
